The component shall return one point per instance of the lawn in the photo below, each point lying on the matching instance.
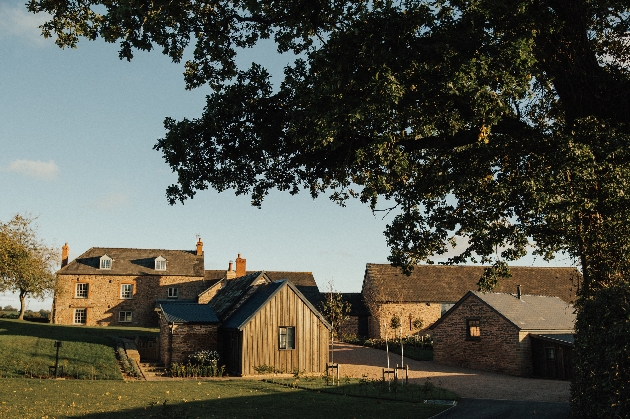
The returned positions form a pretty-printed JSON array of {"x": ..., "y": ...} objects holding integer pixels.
[
  {"x": 27, "y": 349},
  {"x": 33, "y": 398}
]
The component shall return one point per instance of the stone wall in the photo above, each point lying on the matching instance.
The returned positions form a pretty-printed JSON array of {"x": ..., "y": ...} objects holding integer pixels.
[
  {"x": 500, "y": 347},
  {"x": 408, "y": 312},
  {"x": 103, "y": 303},
  {"x": 178, "y": 341}
]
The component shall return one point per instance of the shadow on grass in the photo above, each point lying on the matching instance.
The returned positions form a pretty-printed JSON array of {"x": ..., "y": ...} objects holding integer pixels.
[{"x": 244, "y": 399}]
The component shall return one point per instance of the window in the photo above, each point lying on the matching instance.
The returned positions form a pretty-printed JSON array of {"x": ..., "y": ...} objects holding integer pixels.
[
  {"x": 106, "y": 262},
  {"x": 160, "y": 263},
  {"x": 124, "y": 316},
  {"x": 172, "y": 292},
  {"x": 81, "y": 290},
  {"x": 80, "y": 315},
  {"x": 550, "y": 353},
  {"x": 126, "y": 291},
  {"x": 473, "y": 330},
  {"x": 287, "y": 338}
]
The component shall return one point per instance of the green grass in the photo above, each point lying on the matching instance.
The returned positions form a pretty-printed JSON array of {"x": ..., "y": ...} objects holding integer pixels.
[
  {"x": 32, "y": 398},
  {"x": 371, "y": 388},
  {"x": 27, "y": 349}
]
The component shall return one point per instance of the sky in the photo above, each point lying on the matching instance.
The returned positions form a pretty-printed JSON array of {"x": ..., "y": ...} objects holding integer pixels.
[{"x": 77, "y": 130}]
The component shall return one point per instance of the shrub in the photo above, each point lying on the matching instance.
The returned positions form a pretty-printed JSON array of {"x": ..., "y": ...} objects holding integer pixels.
[{"x": 199, "y": 364}]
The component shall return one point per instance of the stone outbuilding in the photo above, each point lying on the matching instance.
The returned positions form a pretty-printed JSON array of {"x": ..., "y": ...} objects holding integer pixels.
[
  {"x": 516, "y": 334},
  {"x": 420, "y": 299}
]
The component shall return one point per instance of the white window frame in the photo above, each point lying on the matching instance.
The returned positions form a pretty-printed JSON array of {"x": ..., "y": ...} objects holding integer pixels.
[
  {"x": 106, "y": 262},
  {"x": 80, "y": 316},
  {"x": 125, "y": 316},
  {"x": 173, "y": 292},
  {"x": 160, "y": 263},
  {"x": 126, "y": 291},
  {"x": 81, "y": 290}
]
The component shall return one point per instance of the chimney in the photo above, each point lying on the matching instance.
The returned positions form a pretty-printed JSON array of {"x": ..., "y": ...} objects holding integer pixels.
[
  {"x": 518, "y": 291},
  {"x": 240, "y": 266},
  {"x": 199, "y": 247},
  {"x": 65, "y": 251},
  {"x": 231, "y": 273}
]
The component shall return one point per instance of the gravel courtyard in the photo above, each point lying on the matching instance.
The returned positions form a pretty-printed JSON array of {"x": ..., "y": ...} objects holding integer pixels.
[{"x": 357, "y": 361}]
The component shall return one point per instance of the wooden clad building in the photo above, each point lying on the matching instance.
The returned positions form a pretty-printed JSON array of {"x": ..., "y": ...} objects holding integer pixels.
[{"x": 279, "y": 328}]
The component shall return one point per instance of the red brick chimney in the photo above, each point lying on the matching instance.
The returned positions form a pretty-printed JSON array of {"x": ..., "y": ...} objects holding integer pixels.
[
  {"x": 240, "y": 266},
  {"x": 199, "y": 247},
  {"x": 65, "y": 251}
]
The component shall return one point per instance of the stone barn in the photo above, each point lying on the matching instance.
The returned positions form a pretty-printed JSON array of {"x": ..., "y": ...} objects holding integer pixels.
[{"x": 504, "y": 333}]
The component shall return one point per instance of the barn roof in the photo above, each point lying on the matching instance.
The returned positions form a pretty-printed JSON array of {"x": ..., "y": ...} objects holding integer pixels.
[
  {"x": 178, "y": 312},
  {"x": 447, "y": 284},
  {"x": 257, "y": 300},
  {"x": 529, "y": 312},
  {"x": 233, "y": 292},
  {"x": 136, "y": 262}
]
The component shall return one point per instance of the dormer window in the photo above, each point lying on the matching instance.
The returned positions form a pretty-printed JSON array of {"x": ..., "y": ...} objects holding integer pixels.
[
  {"x": 106, "y": 262},
  {"x": 160, "y": 263}
]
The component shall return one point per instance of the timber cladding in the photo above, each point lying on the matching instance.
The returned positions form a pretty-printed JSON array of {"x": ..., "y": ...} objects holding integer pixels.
[{"x": 259, "y": 338}]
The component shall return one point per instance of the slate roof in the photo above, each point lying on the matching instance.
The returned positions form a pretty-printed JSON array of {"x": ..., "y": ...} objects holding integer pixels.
[
  {"x": 259, "y": 298},
  {"x": 178, "y": 312},
  {"x": 232, "y": 293},
  {"x": 530, "y": 312},
  {"x": 136, "y": 262},
  {"x": 304, "y": 281},
  {"x": 561, "y": 338},
  {"x": 447, "y": 284}
]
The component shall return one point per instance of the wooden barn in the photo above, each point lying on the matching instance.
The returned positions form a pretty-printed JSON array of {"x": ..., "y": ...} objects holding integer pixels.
[
  {"x": 276, "y": 327},
  {"x": 252, "y": 322}
]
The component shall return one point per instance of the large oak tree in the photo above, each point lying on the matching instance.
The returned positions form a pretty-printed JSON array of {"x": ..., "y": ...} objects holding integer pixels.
[{"x": 503, "y": 124}]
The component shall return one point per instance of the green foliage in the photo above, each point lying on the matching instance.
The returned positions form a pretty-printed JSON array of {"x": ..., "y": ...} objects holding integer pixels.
[
  {"x": 266, "y": 369},
  {"x": 335, "y": 310},
  {"x": 200, "y": 364},
  {"x": 395, "y": 322},
  {"x": 26, "y": 263},
  {"x": 489, "y": 126}
]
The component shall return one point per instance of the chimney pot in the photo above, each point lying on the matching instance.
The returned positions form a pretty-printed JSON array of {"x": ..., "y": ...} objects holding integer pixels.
[
  {"x": 65, "y": 251},
  {"x": 199, "y": 247}
]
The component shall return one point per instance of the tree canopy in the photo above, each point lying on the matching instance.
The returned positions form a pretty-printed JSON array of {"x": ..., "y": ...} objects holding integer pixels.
[
  {"x": 501, "y": 124},
  {"x": 26, "y": 263}
]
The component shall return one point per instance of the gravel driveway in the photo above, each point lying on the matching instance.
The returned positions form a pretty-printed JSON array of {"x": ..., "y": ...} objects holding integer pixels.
[{"x": 357, "y": 361}]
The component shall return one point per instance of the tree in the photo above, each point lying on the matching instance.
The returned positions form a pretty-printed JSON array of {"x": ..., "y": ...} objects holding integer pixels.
[
  {"x": 502, "y": 123},
  {"x": 26, "y": 263},
  {"x": 335, "y": 310}
]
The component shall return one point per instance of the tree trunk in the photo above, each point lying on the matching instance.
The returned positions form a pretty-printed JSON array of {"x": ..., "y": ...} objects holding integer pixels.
[{"x": 22, "y": 304}]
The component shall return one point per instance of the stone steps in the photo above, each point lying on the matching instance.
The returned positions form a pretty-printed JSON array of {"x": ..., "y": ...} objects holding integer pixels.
[{"x": 153, "y": 370}]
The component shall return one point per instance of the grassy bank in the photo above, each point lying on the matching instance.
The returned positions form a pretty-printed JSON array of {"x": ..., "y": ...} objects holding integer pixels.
[
  {"x": 27, "y": 349},
  {"x": 31, "y": 398}
]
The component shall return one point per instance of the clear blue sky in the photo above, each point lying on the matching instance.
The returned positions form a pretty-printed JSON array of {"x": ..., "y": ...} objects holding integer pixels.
[{"x": 77, "y": 129}]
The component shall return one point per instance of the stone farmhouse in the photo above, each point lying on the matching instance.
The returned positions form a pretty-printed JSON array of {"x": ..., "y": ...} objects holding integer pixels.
[
  {"x": 420, "y": 299},
  {"x": 516, "y": 334},
  {"x": 119, "y": 286}
]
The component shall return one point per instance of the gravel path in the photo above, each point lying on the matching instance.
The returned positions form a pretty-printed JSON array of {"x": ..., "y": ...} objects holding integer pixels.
[{"x": 357, "y": 361}]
